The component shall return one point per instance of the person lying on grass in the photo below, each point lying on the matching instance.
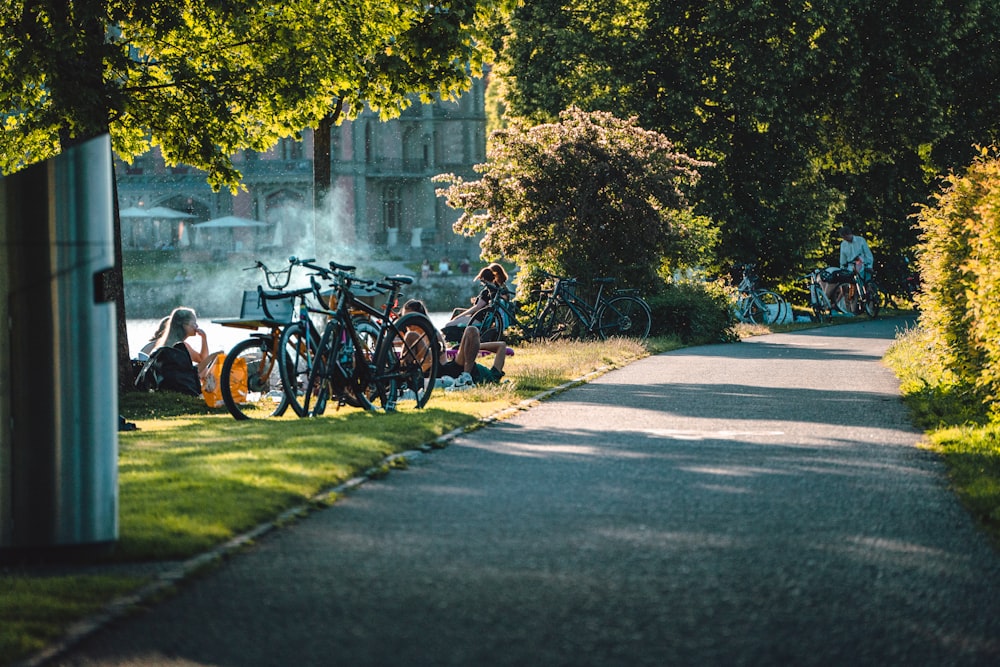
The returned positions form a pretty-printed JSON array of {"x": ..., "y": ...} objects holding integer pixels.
[{"x": 463, "y": 367}]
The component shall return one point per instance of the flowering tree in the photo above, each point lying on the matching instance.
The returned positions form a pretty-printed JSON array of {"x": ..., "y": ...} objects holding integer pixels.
[{"x": 589, "y": 195}]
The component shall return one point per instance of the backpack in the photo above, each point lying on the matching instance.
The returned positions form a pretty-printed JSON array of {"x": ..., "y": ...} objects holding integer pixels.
[{"x": 169, "y": 369}]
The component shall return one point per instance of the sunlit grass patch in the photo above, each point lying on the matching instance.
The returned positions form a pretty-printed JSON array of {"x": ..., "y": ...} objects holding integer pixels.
[
  {"x": 973, "y": 457},
  {"x": 957, "y": 422}
]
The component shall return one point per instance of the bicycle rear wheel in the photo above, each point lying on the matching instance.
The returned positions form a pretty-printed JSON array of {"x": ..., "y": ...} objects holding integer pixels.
[
  {"x": 251, "y": 381},
  {"x": 406, "y": 362},
  {"x": 559, "y": 323},
  {"x": 627, "y": 316},
  {"x": 492, "y": 327}
]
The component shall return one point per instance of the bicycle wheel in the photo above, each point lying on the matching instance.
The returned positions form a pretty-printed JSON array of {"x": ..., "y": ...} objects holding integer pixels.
[
  {"x": 766, "y": 308},
  {"x": 367, "y": 332},
  {"x": 251, "y": 381},
  {"x": 298, "y": 346},
  {"x": 873, "y": 300},
  {"x": 339, "y": 372},
  {"x": 492, "y": 327},
  {"x": 406, "y": 362},
  {"x": 627, "y": 316},
  {"x": 559, "y": 323}
]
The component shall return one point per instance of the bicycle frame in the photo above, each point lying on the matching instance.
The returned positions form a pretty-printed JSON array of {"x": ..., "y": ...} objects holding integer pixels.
[
  {"x": 501, "y": 307},
  {"x": 563, "y": 293}
]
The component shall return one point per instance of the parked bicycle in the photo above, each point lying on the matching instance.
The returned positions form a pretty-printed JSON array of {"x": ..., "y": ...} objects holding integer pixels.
[
  {"x": 363, "y": 354},
  {"x": 757, "y": 305},
  {"x": 562, "y": 313},
  {"x": 819, "y": 303},
  {"x": 250, "y": 378},
  {"x": 859, "y": 293},
  {"x": 866, "y": 294},
  {"x": 500, "y": 314}
]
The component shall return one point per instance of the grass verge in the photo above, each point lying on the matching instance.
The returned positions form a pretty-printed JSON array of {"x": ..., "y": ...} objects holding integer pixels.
[
  {"x": 957, "y": 426},
  {"x": 192, "y": 478}
]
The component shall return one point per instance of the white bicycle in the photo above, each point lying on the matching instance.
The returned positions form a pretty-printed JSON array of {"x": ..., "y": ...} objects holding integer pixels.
[{"x": 756, "y": 305}]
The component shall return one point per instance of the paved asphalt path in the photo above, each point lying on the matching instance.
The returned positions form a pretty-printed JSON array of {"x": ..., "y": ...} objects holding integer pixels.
[{"x": 761, "y": 503}]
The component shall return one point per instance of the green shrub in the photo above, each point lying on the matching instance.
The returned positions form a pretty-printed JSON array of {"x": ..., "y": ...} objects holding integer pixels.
[
  {"x": 959, "y": 256},
  {"x": 698, "y": 312}
]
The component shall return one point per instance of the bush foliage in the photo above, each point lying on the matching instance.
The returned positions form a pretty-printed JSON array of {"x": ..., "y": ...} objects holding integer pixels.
[
  {"x": 698, "y": 312},
  {"x": 959, "y": 256},
  {"x": 591, "y": 195}
]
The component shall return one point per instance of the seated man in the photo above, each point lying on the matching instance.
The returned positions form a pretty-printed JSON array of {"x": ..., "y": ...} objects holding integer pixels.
[{"x": 464, "y": 368}]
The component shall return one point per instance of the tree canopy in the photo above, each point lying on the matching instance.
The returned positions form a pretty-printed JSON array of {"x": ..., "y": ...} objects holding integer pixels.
[
  {"x": 586, "y": 196},
  {"x": 203, "y": 79},
  {"x": 815, "y": 114}
]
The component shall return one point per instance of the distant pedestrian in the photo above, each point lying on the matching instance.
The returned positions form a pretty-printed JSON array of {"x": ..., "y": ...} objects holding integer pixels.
[
  {"x": 425, "y": 268},
  {"x": 444, "y": 267},
  {"x": 464, "y": 267}
]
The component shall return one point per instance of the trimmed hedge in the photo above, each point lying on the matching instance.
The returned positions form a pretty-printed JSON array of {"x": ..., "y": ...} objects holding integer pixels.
[{"x": 959, "y": 260}]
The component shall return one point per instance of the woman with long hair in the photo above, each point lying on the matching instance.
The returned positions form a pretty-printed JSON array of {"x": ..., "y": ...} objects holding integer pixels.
[{"x": 181, "y": 325}]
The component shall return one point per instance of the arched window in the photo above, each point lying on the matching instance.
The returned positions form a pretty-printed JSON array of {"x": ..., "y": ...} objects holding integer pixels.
[{"x": 392, "y": 207}]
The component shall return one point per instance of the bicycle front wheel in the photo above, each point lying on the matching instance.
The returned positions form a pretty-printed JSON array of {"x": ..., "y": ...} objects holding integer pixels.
[
  {"x": 339, "y": 372},
  {"x": 627, "y": 316},
  {"x": 251, "y": 381},
  {"x": 766, "y": 307},
  {"x": 365, "y": 351},
  {"x": 559, "y": 323},
  {"x": 873, "y": 300},
  {"x": 297, "y": 347},
  {"x": 406, "y": 362}
]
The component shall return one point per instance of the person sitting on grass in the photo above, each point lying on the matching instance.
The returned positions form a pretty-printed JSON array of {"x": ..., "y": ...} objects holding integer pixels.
[
  {"x": 181, "y": 325},
  {"x": 493, "y": 277},
  {"x": 463, "y": 368},
  {"x": 174, "y": 365}
]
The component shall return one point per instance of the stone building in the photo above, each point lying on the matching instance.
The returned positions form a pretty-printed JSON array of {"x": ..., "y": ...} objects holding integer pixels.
[{"x": 382, "y": 205}]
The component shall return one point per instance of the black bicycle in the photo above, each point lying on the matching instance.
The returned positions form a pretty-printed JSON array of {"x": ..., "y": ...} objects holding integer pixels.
[
  {"x": 363, "y": 355},
  {"x": 500, "y": 314},
  {"x": 562, "y": 314}
]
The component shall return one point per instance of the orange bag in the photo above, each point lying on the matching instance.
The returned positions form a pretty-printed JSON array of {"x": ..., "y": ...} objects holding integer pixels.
[{"x": 211, "y": 386}]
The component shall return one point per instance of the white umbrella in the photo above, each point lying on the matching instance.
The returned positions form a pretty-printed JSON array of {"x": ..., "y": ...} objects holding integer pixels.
[{"x": 149, "y": 232}]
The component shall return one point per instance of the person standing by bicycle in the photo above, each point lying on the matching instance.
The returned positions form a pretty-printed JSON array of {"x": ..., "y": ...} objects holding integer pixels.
[
  {"x": 855, "y": 254},
  {"x": 855, "y": 258}
]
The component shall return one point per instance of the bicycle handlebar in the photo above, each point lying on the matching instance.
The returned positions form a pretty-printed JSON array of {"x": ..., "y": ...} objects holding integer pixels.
[{"x": 272, "y": 277}]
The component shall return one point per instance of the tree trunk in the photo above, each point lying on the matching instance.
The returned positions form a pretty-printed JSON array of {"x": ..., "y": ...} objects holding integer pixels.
[
  {"x": 114, "y": 286},
  {"x": 322, "y": 171}
]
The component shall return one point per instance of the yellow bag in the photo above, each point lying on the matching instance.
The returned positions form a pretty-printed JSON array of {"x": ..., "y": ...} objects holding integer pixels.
[{"x": 211, "y": 386}]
